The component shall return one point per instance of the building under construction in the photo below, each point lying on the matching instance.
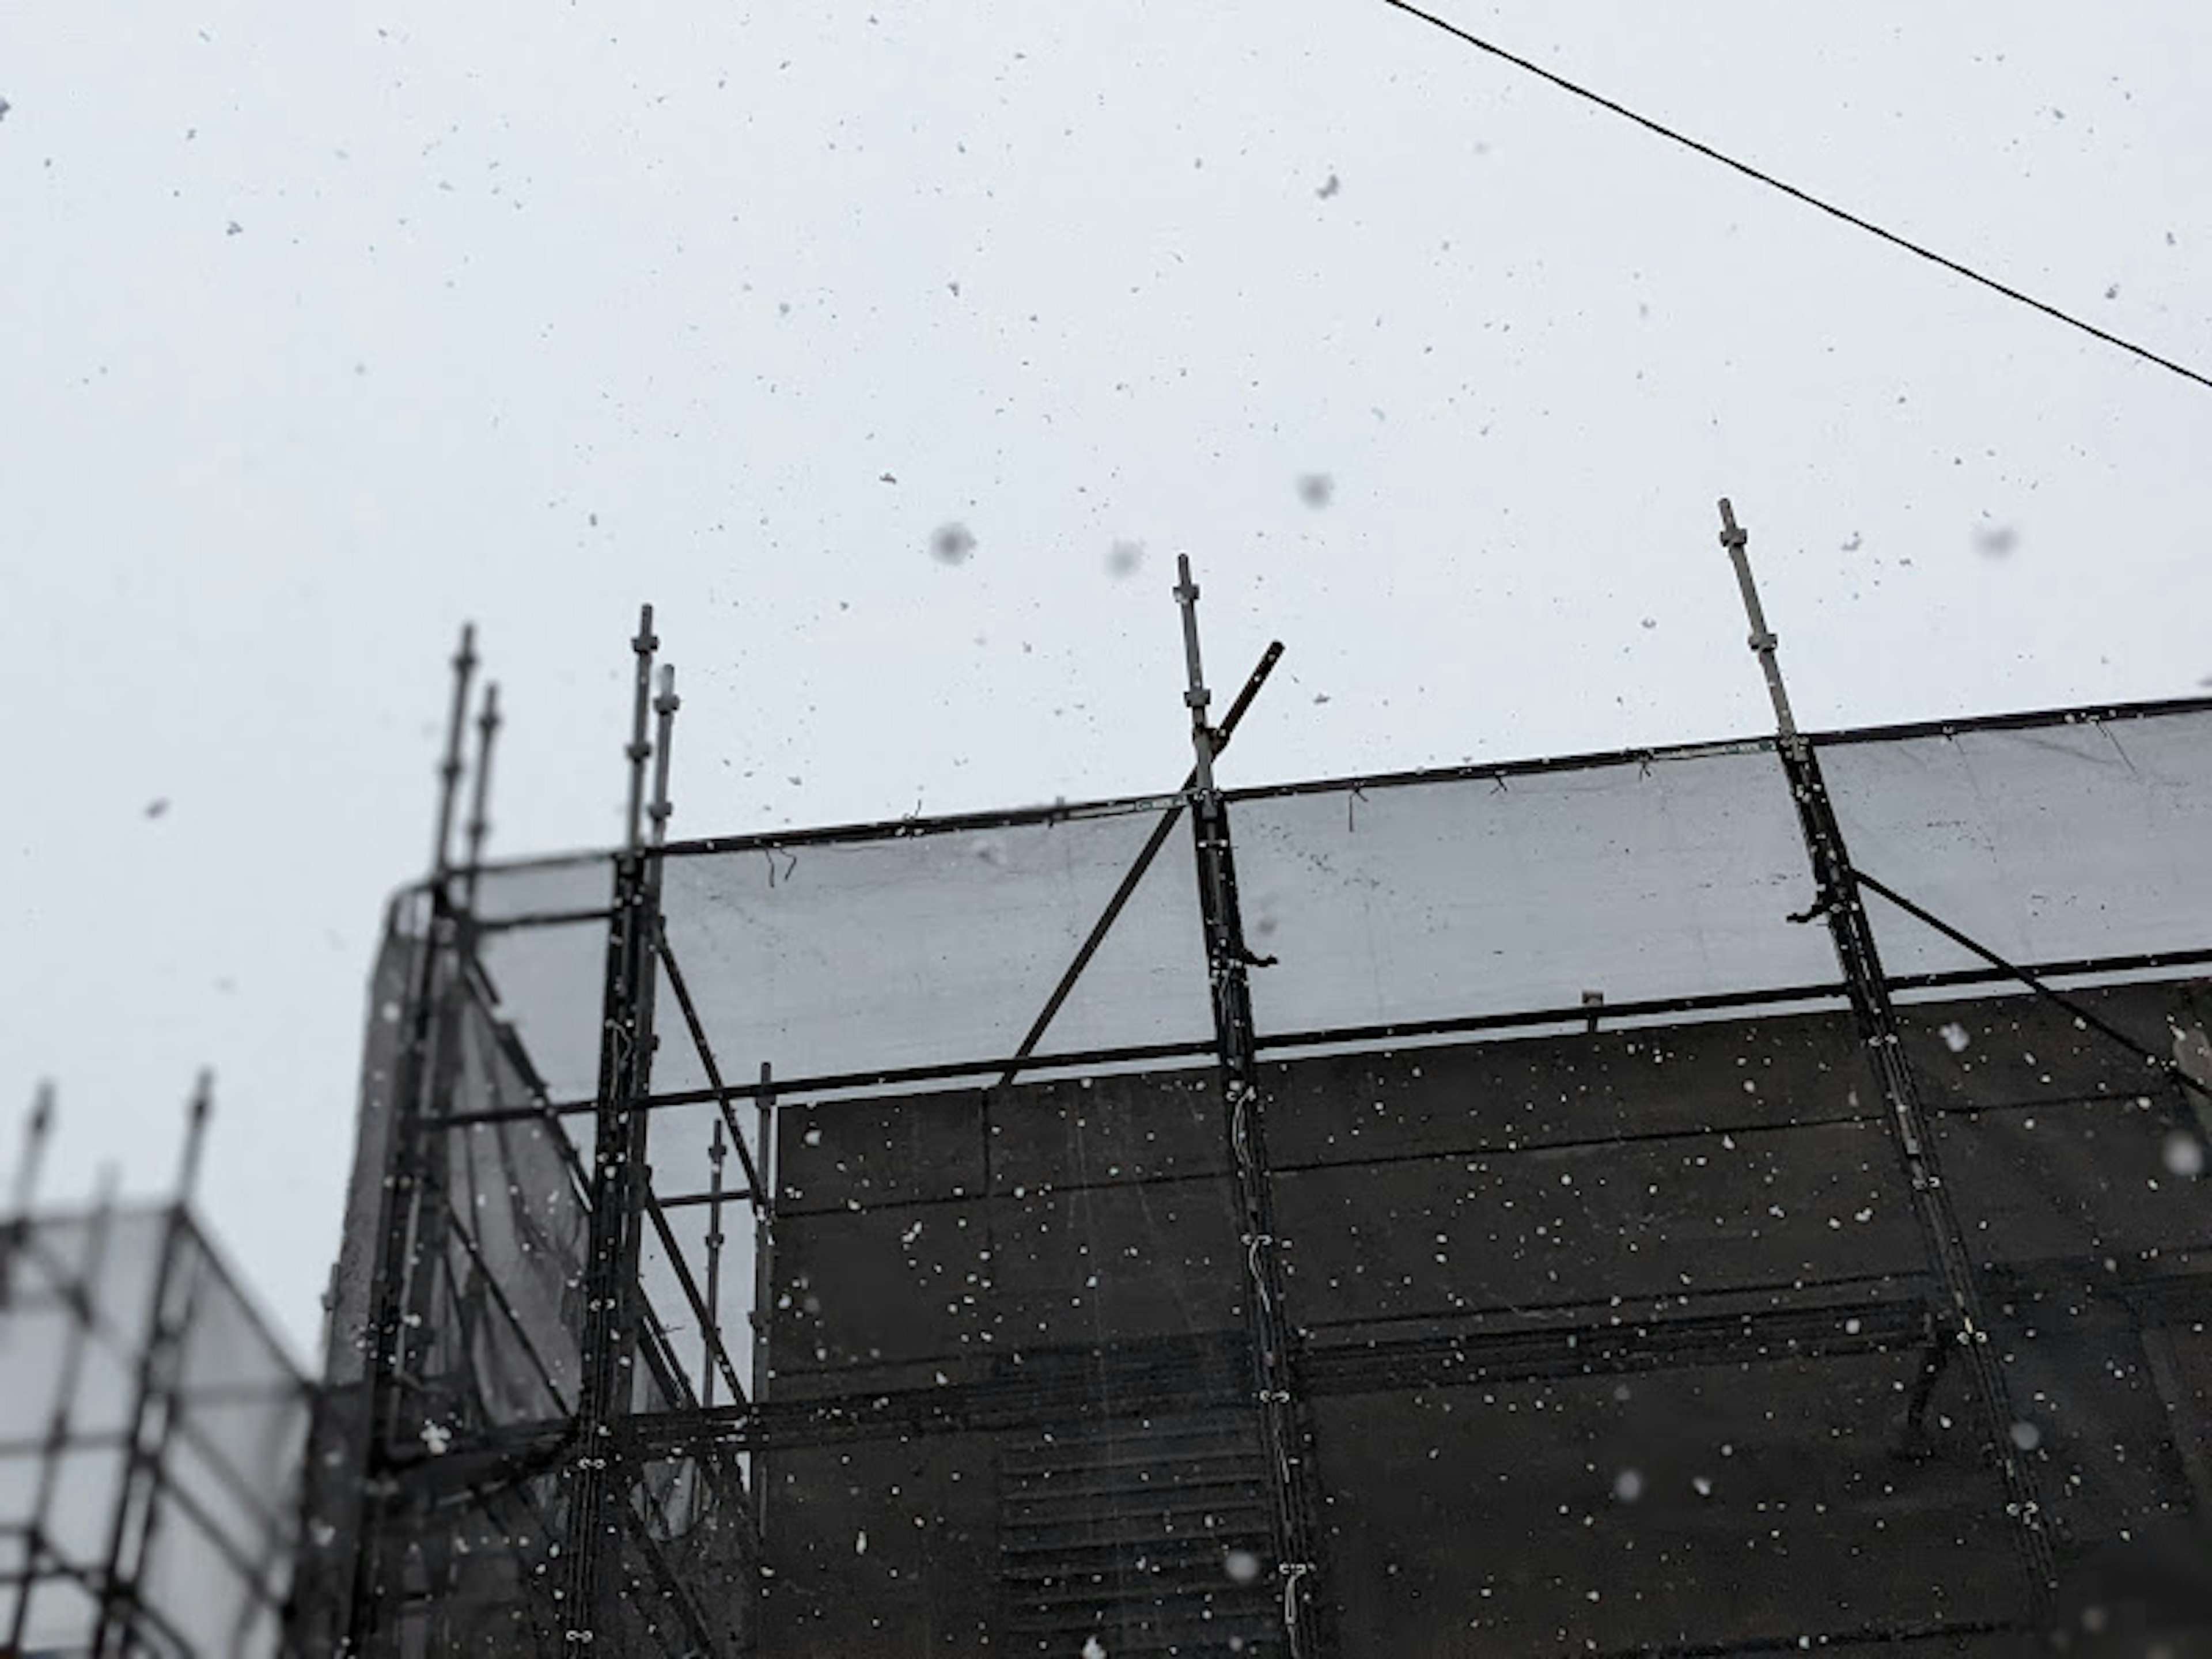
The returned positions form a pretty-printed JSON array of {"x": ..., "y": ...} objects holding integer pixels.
[
  {"x": 150, "y": 1432},
  {"x": 1728, "y": 1199}
]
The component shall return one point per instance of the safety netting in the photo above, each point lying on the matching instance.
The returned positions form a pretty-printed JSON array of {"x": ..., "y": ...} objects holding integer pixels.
[{"x": 1618, "y": 1317}]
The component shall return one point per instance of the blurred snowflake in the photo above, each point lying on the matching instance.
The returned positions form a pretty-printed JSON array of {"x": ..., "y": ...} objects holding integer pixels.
[{"x": 953, "y": 544}]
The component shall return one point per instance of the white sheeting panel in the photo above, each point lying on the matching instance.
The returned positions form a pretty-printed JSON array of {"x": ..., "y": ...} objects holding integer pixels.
[
  {"x": 931, "y": 949},
  {"x": 1445, "y": 898},
  {"x": 2045, "y": 843}
]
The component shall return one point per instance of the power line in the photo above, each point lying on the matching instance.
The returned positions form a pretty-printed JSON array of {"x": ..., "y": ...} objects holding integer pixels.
[{"x": 1790, "y": 190}]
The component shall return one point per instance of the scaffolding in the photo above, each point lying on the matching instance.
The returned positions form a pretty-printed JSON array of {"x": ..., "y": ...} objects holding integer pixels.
[
  {"x": 1721, "y": 1199},
  {"x": 150, "y": 1432}
]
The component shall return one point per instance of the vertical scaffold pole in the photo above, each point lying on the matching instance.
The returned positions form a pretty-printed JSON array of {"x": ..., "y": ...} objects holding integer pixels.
[
  {"x": 1285, "y": 1430},
  {"x": 15, "y": 1227},
  {"x": 663, "y": 708},
  {"x": 409, "y": 1234},
  {"x": 764, "y": 1203},
  {"x": 154, "y": 1407},
  {"x": 81, "y": 1294},
  {"x": 37, "y": 1129},
  {"x": 716, "y": 1151},
  {"x": 597, "y": 1475},
  {"x": 449, "y": 768},
  {"x": 640, "y": 748},
  {"x": 1960, "y": 1325},
  {"x": 195, "y": 1148},
  {"x": 480, "y": 798}
]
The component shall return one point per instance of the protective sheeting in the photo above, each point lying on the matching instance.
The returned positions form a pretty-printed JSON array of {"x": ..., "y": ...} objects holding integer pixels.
[
  {"x": 1699, "y": 1507},
  {"x": 2042, "y": 843},
  {"x": 930, "y": 950},
  {"x": 150, "y": 1437},
  {"x": 1623, "y": 1342},
  {"x": 1682, "y": 1388},
  {"x": 548, "y": 982},
  {"x": 506, "y": 895},
  {"x": 1466, "y": 897}
]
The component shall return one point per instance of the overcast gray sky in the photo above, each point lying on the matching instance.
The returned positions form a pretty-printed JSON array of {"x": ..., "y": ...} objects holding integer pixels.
[{"x": 326, "y": 328}]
